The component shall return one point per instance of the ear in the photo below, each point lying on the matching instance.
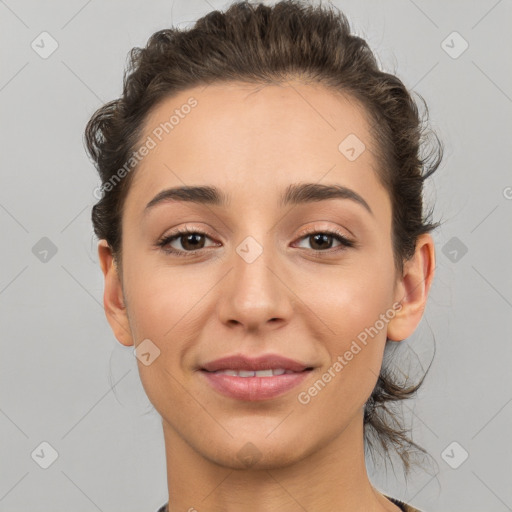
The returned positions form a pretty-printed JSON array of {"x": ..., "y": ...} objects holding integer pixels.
[
  {"x": 113, "y": 300},
  {"x": 412, "y": 290}
]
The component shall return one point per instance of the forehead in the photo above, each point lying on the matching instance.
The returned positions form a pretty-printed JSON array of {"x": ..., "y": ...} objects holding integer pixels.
[{"x": 247, "y": 137}]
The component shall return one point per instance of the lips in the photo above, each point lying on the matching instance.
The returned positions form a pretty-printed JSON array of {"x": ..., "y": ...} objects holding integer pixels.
[
  {"x": 254, "y": 379},
  {"x": 240, "y": 363}
]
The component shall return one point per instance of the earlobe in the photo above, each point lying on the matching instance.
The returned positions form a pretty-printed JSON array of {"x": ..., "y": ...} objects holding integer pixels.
[
  {"x": 412, "y": 290},
  {"x": 113, "y": 300}
]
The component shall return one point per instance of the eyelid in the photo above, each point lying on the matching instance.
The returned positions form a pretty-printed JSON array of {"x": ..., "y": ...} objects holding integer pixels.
[{"x": 315, "y": 230}]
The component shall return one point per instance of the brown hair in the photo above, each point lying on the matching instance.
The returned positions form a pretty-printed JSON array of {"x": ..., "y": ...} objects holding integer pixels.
[{"x": 260, "y": 44}]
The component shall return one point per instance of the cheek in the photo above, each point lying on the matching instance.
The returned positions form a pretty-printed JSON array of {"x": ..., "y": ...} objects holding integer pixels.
[
  {"x": 354, "y": 300},
  {"x": 357, "y": 309},
  {"x": 162, "y": 307},
  {"x": 162, "y": 301},
  {"x": 171, "y": 308}
]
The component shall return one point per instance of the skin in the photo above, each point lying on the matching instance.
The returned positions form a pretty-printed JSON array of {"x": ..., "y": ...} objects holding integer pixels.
[{"x": 252, "y": 142}]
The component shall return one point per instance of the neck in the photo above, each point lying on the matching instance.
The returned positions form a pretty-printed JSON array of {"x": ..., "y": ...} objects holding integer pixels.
[{"x": 332, "y": 477}]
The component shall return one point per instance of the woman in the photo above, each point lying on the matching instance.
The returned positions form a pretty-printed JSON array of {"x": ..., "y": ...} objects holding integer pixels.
[{"x": 263, "y": 240}]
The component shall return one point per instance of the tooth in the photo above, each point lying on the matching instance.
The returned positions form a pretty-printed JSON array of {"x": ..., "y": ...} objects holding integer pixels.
[
  {"x": 233, "y": 373},
  {"x": 263, "y": 373},
  {"x": 255, "y": 373},
  {"x": 246, "y": 373}
]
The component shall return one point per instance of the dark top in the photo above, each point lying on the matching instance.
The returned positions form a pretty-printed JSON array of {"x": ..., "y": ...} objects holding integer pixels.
[{"x": 403, "y": 506}]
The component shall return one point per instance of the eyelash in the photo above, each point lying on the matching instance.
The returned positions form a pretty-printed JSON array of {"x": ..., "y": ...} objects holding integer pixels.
[{"x": 345, "y": 242}]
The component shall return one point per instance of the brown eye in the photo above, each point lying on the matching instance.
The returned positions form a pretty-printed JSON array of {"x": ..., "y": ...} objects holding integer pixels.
[
  {"x": 193, "y": 241},
  {"x": 322, "y": 241},
  {"x": 184, "y": 242}
]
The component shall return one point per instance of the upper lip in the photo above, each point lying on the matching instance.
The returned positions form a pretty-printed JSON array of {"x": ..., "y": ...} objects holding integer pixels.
[{"x": 264, "y": 362}]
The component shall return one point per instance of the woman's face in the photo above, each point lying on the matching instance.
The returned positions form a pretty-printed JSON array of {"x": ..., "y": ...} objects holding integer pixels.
[{"x": 268, "y": 276}]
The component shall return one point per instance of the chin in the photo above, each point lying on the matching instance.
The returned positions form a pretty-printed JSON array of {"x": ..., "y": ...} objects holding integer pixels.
[{"x": 256, "y": 452}]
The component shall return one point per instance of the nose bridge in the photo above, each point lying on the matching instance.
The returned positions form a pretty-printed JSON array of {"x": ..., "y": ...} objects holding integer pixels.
[{"x": 254, "y": 295}]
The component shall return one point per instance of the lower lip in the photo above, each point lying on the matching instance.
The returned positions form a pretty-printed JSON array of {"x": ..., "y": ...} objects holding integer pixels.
[{"x": 254, "y": 388}]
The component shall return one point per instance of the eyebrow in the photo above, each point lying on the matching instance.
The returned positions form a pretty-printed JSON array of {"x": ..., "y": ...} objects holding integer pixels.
[{"x": 295, "y": 194}]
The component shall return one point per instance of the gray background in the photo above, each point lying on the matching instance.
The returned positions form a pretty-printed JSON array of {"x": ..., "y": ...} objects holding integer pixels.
[{"x": 66, "y": 381}]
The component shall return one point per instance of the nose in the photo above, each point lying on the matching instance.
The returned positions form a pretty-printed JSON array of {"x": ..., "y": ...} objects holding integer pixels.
[{"x": 255, "y": 294}]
